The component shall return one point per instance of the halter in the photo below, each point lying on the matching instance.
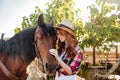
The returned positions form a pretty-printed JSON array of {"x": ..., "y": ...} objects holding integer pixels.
[
  {"x": 35, "y": 43},
  {"x": 12, "y": 76},
  {"x": 46, "y": 76}
]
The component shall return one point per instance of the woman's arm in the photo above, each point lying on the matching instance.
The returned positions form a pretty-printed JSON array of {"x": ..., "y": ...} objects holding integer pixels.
[
  {"x": 62, "y": 64},
  {"x": 74, "y": 66}
]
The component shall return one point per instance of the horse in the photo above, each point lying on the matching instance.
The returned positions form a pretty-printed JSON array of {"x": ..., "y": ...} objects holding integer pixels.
[{"x": 19, "y": 51}]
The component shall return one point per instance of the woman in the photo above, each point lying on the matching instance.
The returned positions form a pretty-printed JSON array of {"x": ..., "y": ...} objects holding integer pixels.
[{"x": 70, "y": 54}]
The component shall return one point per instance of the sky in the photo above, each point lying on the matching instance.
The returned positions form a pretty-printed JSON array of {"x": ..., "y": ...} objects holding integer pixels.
[{"x": 12, "y": 12}]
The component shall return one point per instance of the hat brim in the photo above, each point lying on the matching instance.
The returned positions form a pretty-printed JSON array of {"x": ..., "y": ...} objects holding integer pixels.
[{"x": 67, "y": 30}]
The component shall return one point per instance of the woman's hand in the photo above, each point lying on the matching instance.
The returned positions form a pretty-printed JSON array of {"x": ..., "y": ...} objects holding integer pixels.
[{"x": 54, "y": 52}]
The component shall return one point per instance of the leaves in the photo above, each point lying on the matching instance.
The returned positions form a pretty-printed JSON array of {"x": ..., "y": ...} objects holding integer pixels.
[
  {"x": 17, "y": 30},
  {"x": 32, "y": 19},
  {"x": 103, "y": 25},
  {"x": 60, "y": 9}
]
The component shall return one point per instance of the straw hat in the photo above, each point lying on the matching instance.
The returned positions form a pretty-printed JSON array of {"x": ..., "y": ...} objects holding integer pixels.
[{"x": 67, "y": 25}]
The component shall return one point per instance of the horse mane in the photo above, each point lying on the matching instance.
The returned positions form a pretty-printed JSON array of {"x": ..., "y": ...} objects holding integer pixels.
[
  {"x": 48, "y": 30},
  {"x": 22, "y": 43},
  {"x": 2, "y": 44}
]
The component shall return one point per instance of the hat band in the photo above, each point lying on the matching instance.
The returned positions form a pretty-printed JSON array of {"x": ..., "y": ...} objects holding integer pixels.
[{"x": 67, "y": 30}]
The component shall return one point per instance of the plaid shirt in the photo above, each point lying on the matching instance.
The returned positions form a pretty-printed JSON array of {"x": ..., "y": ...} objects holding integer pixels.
[{"x": 74, "y": 65}]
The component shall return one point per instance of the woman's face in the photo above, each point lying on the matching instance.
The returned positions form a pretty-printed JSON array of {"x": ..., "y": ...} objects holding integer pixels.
[{"x": 61, "y": 36}]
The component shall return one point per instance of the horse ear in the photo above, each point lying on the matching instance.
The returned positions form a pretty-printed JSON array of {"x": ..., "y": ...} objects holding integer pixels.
[
  {"x": 51, "y": 22},
  {"x": 40, "y": 20}
]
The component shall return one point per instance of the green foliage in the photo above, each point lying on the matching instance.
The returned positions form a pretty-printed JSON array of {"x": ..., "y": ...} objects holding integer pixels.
[
  {"x": 103, "y": 25},
  {"x": 17, "y": 30},
  {"x": 85, "y": 66},
  {"x": 32, "y": 19},
  {"x": 60, "y": 9},
  {"x": 56, "y": 11},
  {"x": 101, "y": 28},
  {"x": 115, "y": 2}
]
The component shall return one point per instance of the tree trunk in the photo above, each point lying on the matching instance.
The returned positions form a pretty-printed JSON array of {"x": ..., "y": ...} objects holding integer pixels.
[
  {"x": 116, "y": 51},
  {"x": 93, "y": 55}
]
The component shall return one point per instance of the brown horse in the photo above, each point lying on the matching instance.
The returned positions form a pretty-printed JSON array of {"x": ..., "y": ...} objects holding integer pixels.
[{"x": 19, "y": 51}]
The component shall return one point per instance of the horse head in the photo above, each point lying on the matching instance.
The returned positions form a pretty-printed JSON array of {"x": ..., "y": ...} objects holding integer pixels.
[
  {"x": 45, "y": 38},
  {"x": 18, "y": 52}
]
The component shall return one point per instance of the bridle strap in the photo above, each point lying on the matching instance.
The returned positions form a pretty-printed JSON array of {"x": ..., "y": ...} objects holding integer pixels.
[
  {"x": 35, "y": 44},
  {"x": 37, "y": 52},
  {"x": 7, "y": 72}
]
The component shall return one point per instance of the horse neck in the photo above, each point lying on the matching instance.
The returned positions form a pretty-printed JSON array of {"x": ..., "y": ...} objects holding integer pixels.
[
  {"x": 19, "y": 52},
  {"x": 21, "y": 45},
  {"x": 2, "y": 45}
]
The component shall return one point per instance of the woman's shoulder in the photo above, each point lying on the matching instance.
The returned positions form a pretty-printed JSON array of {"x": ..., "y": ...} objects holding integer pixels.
[
  {"x": 78, "y": 49},
  {"x": 79, "y": 54}
]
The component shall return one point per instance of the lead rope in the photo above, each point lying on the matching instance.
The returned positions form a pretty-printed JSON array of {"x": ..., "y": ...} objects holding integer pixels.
[
  {"x": 46, "y": 77},
  {"x": 39, "y": 57},
  {"x": 37, "y": 52},
  {"x": 39, "y": 72}
]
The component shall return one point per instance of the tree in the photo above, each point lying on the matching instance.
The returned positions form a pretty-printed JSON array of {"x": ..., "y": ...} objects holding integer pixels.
[
  {"x": 32, "y": 19},
  {"x": 60, "y": 9},
  {"x": 56, "y": 11},
  {"x": 117, "y": 2},
  {"x": 101, "y": 28}
]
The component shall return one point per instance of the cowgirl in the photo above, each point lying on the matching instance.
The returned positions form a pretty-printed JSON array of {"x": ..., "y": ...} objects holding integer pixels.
[{"x": 68, "y": 55}]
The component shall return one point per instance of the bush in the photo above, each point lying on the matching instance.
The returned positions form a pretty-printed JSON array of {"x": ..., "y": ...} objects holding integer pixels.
[{"x": 85, "y": 66}]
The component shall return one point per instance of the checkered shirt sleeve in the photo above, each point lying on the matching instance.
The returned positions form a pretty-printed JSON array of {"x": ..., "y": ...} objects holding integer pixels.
[{"x": 75, "y": 64}]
